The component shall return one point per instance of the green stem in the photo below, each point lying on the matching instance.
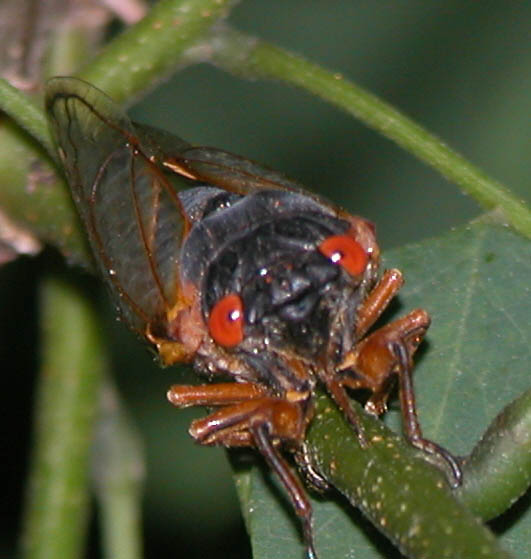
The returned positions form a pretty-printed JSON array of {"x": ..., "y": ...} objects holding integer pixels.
[
  {"x": 498, "y": 470},
  {"x": 56, "y": 511},
  {"x": 26, "y": 113},
  {"x": 153, "y": 47},
  {"x": 390, "y": 482},
  {"x": 251, "y": 58},
  {"x": 118, "y": 472}
]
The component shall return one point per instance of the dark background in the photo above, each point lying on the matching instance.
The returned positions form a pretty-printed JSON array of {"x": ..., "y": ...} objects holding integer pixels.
[{"x": 461, "y": 69}]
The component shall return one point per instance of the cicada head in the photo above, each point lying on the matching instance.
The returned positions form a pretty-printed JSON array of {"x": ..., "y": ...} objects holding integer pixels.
[{"x": 280, "y": 275}]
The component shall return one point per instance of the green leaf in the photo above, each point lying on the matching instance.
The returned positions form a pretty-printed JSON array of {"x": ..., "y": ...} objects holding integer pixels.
[{"x": 475, "y": 284}]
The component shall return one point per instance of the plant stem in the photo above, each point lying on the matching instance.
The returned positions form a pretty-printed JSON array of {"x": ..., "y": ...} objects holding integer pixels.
[
  {"x": 26, "y": 113},
  {"x": 389, "y": 482},
  {"x": 498, "y": 470},
  {"x": 251, "y": 58},
  {"x": 118, "y": 472},
  {"x": 152, "y": 48},
  {"x": 73, "y": 361}
]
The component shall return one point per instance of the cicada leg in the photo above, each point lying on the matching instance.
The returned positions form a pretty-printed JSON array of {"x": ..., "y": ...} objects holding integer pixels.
[
  {"x": 371, "y": 309},
  {"x": 336, "y": 388},
  {"x": 378, "y": 300},
  {"x": 250, "y": 418},
  {"x": 299, "y": 499},
  {"x": 387, "y": 352},
  {"x": 221, "y": 394}
]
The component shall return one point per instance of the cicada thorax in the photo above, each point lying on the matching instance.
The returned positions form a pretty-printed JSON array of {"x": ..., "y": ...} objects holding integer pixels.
[{"x": 280, "y": 277}]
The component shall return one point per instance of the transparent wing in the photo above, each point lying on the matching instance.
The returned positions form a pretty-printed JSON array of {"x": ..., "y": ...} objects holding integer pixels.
[
  {"x": 127, "y": 202},
  {"x": 226, "y": 170}
]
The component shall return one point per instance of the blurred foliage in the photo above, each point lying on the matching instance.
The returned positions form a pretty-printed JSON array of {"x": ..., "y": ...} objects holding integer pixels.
[{"x": 461, "y": 69}]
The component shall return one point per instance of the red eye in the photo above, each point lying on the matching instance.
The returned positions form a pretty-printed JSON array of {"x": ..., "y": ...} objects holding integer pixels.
[
  {"x": 347, "y": 252},
  {"x": 226, "y": 321}
]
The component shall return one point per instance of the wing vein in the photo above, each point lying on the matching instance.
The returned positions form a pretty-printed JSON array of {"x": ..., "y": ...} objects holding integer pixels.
[
  {"x": 143, "y": 236},
  {"x": 108, "y": 264}
]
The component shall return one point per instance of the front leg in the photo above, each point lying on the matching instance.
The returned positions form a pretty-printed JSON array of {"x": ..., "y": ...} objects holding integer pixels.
[
  {"x": 377, "y": 359},
  {"x": 249, "y": 417},
  {"x": 368, "y": 313},
  {"x": 220, "y": 394},
  {"x": 384, "y": 355},
  {"x": 373, "y": 362}
]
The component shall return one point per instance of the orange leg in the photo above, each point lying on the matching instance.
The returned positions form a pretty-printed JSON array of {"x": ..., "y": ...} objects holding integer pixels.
[
  {"x": 374, "y": 363},
  {"x": 221, "y": 394},
  {"x": 386, "y": 354},
  {"x": 336, "y": 388},
  {"x": 378, "y": 300},
  {"x": 251, "y": 418},
  {"x": 286, "y": 419},
  {"x": 368, "y": 313}
]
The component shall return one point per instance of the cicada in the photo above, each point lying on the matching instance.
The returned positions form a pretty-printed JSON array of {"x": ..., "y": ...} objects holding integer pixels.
[{"x": 220, "y": 262}]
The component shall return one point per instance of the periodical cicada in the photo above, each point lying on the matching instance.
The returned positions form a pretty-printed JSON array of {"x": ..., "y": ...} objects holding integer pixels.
[{"x": 220, "y": 262}]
